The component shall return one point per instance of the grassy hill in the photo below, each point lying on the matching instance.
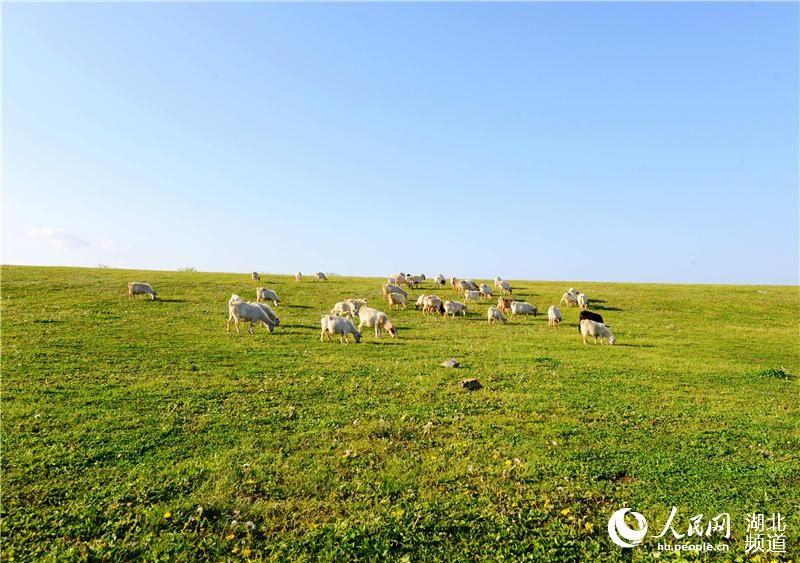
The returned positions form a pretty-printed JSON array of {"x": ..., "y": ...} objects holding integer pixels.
[{"x": 139, "y": 429}]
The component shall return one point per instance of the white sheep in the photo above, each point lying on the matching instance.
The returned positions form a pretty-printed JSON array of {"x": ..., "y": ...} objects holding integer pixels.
[
  {"x": 332, "y": 324},
  {"x": 374, "y": 318},
  {"x": 485, "y": 290},
  {"x": 432, "y": 304},
  {"x": 141, "y": 288},
  {"x": 523, "y": 308},
  {"x": 343, "y": 309},
  {"x": 256, "y": 277},
  {"x": 238, "y": 311},
  {"x": 597, "y": 330},
  {"x": 397, "y": 299},
  {"x": 494, "y": 315},
  {"x": 569, "y": 299},
  {"x": 440, "y": 280},
  {"x": 298, "y": 277},
  {"x": 471, "y": 285},
  {"x": 454, "y": 308},
  {"x": 454, "y": 283},
  {"x": 573, "y": 291},
  {"x": 505, "y": 287},
  {"x": 497, "y": 281},
  {"x": 270, "y": 313},
  {"x": 472, "y": 295},
  {"x": 583, "y": 301},
  {"x": 553, "y": 316},
  {"x": 357, "y": 303},
  {"x": 320, "y": 276},
  {"x": 391, "y": 288},
  {"x": 264, "y": 294}
]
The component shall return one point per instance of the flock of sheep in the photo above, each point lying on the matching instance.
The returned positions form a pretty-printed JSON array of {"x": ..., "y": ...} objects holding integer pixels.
[{"x": 341, "y": 319}]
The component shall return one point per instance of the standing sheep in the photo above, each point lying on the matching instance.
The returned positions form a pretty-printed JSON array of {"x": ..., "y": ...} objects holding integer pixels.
[
  {"x": 332, "y": 324},
  {"x": 239, "y": 311},
  {"x": 391, "y": 288},
  {"x": 344, "y": 309},
  {"x": 553, "y": 316},
  {"x": 523, "y": 308},
  {"x": 374, "y": 318},
  {"x": 141, "y": 288},
  {"x": 432, "y": 304},
  {"x": 597, "y": 330},
  {"x": 485, "y": 290},
  {"x": 440, "y": 281},
  {"x": 454, "y": 308},
  {"x": 569, "y": 299},
  {"x": 497, "y": 281},
  {"x": 298, "y": 277},
  {"x": 583, "y": 301},
  {"x": 357, "y": 303},
  {"x": 454, "y": 284},
  {"x": 505, "y": 287},
  {"x": 472, "y": 295},
  {"x": 495, "y": 315},
  {"x": 320, "y": 276},
  {"x": 256, "y": 277},
  {"x": 397, "y": 299},
  {"x": 504, "y": 304},
  {"x": 264, "y": 294}
]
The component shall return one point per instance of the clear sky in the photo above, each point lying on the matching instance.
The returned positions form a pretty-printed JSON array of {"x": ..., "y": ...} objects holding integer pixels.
[{"x": 600, "y": 141}]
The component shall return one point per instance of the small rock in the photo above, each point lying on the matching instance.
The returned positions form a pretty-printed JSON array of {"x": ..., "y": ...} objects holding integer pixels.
[
  {"x": 451, "y": 363},
  {"x": 471, "y": 384}
]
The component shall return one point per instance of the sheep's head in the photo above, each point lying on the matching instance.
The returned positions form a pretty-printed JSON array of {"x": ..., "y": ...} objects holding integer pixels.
[
  {"x": 612, "y": 339},
  {"x": 357, "y": 337},
  {"x": 390, "y": 329}
]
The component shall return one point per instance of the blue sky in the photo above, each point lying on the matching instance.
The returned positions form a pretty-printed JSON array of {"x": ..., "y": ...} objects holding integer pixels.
[{"x": 600, "y": 141}]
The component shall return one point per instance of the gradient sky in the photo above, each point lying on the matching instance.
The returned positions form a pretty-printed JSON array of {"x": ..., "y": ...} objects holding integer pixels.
[{"x": 601, "y": 141}]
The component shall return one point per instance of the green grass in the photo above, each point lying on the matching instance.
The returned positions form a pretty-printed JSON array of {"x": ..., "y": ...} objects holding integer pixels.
[{"x": 127, "y": 423}]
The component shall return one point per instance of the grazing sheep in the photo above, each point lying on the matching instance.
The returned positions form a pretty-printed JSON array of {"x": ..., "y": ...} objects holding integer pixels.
[
  {"x": 485, "y": 290},
  {"x": 454, "y": 308},
  {"x": 583, "y": 301},
  {"x": 357, "y": 303},
  {"x": 494, "y": 314},
  {"x": 264, "y": 294},
  {"x": 391, "y": 288},
  {"x": 374, "y": 318},
  {"x": 270, "y": 313},
  {"x": 432, "y": 304},
  {"x": 256, "y": 277},
  {"x": 141, "y": 288},
  {"x": 497, "y": 281},
  {"x": 343, "y": 309},
  {"x": 420, "y": 300},
  {"x": 320, "y": 276},
  {"x": 298, "y": 277},
  {"x": 523, "y": 308},
  {"x": 597, "y": 330},
  {"x": 505, "y": 287},
  {"x": 573, "y": 291},
  {"x": 454, "y": 283},
  {"x": 413, "y": 281},
  {"x": 589, "y": 315},
  {"x": 472, "y": 295},
  {"x": 569, "y": 299},
  {"x": 332, "y": 324},
  {"x": 397, "y": 299},
  {"x": 440, "y": 281},
  {"x": 238, "y": 311},
  {"x": 462, "y": 286},
  {"x": 553, "y": 316},
  {"x": 471, "y": 285},
  {"x": 504, "y": 304}
]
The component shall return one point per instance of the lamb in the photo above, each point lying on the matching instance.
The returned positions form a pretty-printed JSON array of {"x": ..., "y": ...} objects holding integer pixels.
[
  {"x": 569, "y": 299},
  {"x": 332, "y": 324},
  {"x": 440, "y": 281},
  {"x": 472, "y": 295},
  {"x": 523, "y": 308},
  {"x": 504, "y": 304},
  {"x": 485, "y": 290},
  {"x": 454, "y": 308},
  {"x": 391, "y": 288},
  {"x": 238, "y": 311},
  {"x": 432, "y": 304},
  {"x": 505, "y": 287},
  {"x": 583, "y": 301},
  {"x": 553, "y": 316},
  {"x": 397, "y": 299},
  {"x": 374, "y": 318},
  {"x": 494, "y": 314},
  {"x": 262, "y": 293},
  {"x": 298, "y": 277},
  {"x": 320, "y": 276},
  {"x": 256, "y": 277},
  {"x": 141, "y": 288},
  {"x": 597, "y": 330},
  {"x": 357, "y": 303},
  {"x": 343, "y": 309}
]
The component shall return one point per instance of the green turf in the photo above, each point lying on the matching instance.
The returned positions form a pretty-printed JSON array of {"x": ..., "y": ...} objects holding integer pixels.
[{"x": 127, "y": 423}]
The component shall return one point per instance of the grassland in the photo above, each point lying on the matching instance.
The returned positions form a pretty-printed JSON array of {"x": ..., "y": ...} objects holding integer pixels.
[{"x": 138, "y": 430}]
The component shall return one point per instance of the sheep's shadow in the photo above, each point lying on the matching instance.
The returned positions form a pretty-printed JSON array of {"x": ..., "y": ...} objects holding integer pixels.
[
  {"x": 601, "y": 308},
  {"x": 635, "y": 345},
  {"x": 162, "y": 300},
  {"x": 299, "y": 306}
]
